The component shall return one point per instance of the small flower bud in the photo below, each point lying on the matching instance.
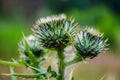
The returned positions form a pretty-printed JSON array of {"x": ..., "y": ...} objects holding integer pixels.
[
  {"x": 36, "y": 50},
  {"x": 89, "y": 45}
]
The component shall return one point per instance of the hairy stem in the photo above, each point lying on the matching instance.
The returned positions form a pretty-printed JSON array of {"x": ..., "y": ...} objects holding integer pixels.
[{"x": 61, "y": 65}]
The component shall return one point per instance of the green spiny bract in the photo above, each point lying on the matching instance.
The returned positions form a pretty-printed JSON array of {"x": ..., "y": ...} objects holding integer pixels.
[
  {"x": 89, "y": 45},
  {"x": 33, "y": 44},
  {"x": 55, "y": 32}
]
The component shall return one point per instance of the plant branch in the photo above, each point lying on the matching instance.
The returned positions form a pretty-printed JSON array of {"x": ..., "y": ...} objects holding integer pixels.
[
  {"x": 10, "y": 63},
  {"x": 75, "y": 60}
]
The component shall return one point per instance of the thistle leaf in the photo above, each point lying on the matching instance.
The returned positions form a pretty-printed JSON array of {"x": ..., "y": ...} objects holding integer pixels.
[
  {"x": 29, "y": 52},
  {"x": 26, "y": 75},
  {"x": 10, "y": 63}
]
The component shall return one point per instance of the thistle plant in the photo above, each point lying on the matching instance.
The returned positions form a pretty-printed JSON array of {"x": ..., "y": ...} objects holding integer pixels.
[{"x": 55, "y": 33}]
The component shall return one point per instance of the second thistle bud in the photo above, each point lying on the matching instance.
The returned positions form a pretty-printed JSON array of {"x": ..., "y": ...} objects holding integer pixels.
[{"x": 88, "y": 44}]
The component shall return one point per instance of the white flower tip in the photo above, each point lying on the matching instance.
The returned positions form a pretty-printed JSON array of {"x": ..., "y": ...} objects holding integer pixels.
[{"x": 50, "y": 19}]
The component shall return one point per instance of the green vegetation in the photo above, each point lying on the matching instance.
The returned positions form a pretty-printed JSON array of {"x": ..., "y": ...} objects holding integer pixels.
[{"x": 56, "y": 32}]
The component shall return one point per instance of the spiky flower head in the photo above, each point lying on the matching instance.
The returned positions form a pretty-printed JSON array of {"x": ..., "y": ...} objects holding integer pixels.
[
  {"x": 88, "y": 44},
  {"x": 55, "y": 31},
  {"x": 33, "y": 44}
]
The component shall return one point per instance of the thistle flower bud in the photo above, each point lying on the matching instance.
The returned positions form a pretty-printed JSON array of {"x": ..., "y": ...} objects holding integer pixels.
[
  {"x": 55, "y": 31},
  {"x": 88, "y": 44},
  {"x": 33, "y": 44}
]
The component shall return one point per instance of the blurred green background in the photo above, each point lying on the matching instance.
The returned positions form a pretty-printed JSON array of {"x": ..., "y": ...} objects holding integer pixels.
[{"x": 18, "y": 16}]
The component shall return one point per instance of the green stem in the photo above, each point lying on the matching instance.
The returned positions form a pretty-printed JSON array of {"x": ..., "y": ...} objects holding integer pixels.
[
  {"x": 10, "y": 63},
  {"x": 12, "y": 72},
  {"x": 61, "y": 64},
  {"x": 75, "y": 60}
]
